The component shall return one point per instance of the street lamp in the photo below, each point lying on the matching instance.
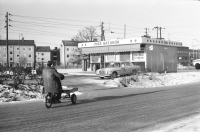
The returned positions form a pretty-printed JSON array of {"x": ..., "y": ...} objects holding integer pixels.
[{"x": 19, "y": 46}]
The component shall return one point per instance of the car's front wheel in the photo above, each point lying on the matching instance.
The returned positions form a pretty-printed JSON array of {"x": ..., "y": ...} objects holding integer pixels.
[
  {"x": 134, "y": 72},
  {"x": 114, "y": 75}
]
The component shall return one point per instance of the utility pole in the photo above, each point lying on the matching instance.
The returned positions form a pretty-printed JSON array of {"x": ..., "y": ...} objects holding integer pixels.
[
  {"x": 7, "y": 38},
  {"x": 157, "y": 30},
  {"x": 102, "y": 32},
  {"x": 160, "y": 32},
  {"x": 146, "y": 31}
]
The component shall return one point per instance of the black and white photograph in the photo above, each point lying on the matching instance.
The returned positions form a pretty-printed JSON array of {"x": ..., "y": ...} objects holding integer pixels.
[{"x": 100, "y": 65}]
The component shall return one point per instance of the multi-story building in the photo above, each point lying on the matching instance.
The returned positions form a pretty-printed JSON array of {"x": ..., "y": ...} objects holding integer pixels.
[
  {"x": 43, "y": 55},
  {"x": 183, "y": 56},
  {"x": 55, "y": 56},
  {"x": 67, "y": 49},
  {"x": 194, "y": 54},
  {"x": 20, "y": 52}
]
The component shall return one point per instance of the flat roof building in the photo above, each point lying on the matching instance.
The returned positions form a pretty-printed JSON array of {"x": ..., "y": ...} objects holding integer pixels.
[{"x": 158, "y": 55}]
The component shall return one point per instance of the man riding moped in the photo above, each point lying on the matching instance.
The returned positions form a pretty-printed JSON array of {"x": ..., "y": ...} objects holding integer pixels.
[{"x": 52, "y": 83}]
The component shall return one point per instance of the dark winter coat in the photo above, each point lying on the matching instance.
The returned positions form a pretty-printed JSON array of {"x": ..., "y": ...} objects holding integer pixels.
[{"x": 52, "y": 81}]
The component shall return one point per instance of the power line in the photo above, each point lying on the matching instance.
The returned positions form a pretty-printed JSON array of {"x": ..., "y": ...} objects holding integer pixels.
[
  {"x": 48, "y": 23},
  {"x": 32, "y": 33},
  {"x": 30, "y": 17},
  {"x": 42, "y": 32}
]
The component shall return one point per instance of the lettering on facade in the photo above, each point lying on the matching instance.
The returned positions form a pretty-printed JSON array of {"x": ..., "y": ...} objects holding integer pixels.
[{"x": 106, "y": 43}]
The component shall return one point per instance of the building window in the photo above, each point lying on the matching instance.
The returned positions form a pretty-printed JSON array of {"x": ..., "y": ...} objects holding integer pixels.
[
  {"x": 67, "y": 49},
  {"x": 42, "y": 58},
  {"x": 11, "y": 59},
  {"x": 4, "y": 56},
  {"x": 29, "y": 49},
  {"x": 10, "y": 52},
  {"x": 17, "y": 56},
  {"x": 10, "y": 46},
  {"x": 29, "y": 64},
  {"x": 67, "y": 56},
  {"x": 18, "y": 48},
  {"x": 24, "y": 49},
  {"x": 42, "y": 53},
  {"x": 4, "y": 48},
  {"x": 29, "y": 56},
  {"x": 38, "y": 58}
]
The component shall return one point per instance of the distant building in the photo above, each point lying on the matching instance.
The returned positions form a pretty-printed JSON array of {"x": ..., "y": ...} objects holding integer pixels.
[
  {"x": 67, "y": 49},
  {"x": 55, "y": 56},
  {"x": 20, "y": 52},
  {"x": 194, "y": 54},
  {"x": 183, "y": 56},
  {"x": 43, "y": 55}
]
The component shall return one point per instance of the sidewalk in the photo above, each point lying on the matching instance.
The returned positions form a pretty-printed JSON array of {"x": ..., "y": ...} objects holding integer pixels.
[{"x": 76, "y": 72}]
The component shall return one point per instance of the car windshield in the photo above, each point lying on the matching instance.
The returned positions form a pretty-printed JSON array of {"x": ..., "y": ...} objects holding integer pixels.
[{"x": 113, "y": 65}]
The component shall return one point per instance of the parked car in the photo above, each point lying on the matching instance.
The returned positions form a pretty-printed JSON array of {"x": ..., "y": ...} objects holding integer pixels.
[{"x": 115, "y": 69}]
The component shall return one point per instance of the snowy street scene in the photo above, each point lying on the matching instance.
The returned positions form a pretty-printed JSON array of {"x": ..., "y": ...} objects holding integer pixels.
[{"x": 100, "y": 66}]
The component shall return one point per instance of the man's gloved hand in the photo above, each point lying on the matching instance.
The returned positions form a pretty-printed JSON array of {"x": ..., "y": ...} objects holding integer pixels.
[{"x": 62, "y": 77}]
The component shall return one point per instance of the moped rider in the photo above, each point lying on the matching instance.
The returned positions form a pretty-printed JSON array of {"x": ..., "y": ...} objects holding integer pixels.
[{"x": 52, "y": 83}]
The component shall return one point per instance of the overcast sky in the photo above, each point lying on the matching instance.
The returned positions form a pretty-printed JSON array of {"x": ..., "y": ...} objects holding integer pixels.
[{"x": 48, "y": 22}]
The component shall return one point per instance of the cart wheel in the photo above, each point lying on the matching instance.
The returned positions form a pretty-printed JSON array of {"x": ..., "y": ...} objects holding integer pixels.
[
  {"x": 73, "y": 99},
  {"x": 48, "y": 100}
]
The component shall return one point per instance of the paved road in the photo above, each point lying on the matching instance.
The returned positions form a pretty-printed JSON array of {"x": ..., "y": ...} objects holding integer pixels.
[{"x": 104, "y": 109}]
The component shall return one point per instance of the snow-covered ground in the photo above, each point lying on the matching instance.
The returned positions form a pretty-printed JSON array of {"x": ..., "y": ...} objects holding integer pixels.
[{"x": 148, "y": 80}]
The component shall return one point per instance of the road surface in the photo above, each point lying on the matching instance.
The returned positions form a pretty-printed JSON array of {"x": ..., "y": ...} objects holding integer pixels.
[{"x": 104, "y": 109}]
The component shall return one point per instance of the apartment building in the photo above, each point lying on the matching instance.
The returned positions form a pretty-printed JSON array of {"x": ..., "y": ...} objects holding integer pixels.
[
  {"x": 55, "y": 56},
  {"x": 43, "y": 55},
  {"x": 20, "y": 52},
  {"x": 183, "y": 56},
  {"x": 67, "y": 49}
]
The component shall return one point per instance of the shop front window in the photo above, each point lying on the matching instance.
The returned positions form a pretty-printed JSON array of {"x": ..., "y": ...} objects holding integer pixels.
[
  {"x": 137, "y": 56},
  {"x": 124, "y": 57},
  {"x": 110, "y": 58},
  {"x": 95, "y": 59}
]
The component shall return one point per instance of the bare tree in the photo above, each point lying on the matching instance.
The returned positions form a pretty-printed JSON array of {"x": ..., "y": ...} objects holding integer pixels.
[
  {"x": 88, "y": 34},
  {"x": 75, "y": 57}
]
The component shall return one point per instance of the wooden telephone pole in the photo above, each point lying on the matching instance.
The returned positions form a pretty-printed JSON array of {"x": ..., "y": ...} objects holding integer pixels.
[{"x": 7, "y": 38}]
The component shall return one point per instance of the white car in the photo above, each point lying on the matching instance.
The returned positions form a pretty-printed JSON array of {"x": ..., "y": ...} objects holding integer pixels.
[{"x": 115, "y": 69}]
